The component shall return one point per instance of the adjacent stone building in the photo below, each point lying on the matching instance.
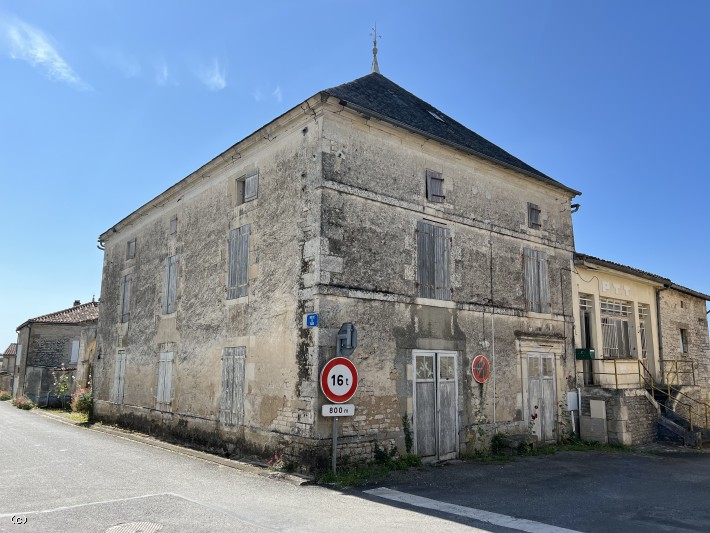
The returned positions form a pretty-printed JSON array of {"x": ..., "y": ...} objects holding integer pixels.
[
  {"x": 7, "y": 367},
  {"x": 642, "y": 343},
  {"x": 363, "y": 204},
  {"x": 52, "y": 346}
]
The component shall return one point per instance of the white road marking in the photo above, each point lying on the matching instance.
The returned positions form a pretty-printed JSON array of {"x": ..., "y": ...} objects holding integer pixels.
[
  {"x": 468, "y": 512},
  {"x": 43, "y": 511}
]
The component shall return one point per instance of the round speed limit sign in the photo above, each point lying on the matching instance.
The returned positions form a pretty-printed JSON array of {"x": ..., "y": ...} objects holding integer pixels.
[{"x": 338, "y": 379}]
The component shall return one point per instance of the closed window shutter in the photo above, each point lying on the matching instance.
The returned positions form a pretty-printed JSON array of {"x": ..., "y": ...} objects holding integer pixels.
[
  {"x": 435, "y": 186},
  {"x": 251, "y": 186},
  {"x": 232, "y": 398},
  {"x": 170, "y": 284},
  {"x": 530, "y": 273},
  {"x": 442, "y": 253},
  {"x": 166, "y": 285},
  {"x": 74, "y": 351},
  {"x": 544, "y": 288},
  {"x": 534, "y": 216},
  {"x": 165, "y": 379},
  {"x": 126, "y": 298},
  {"x": 238, "y": 276},
  {"x": 425, "y": 259},
  {"x": 119, "y": 377}
]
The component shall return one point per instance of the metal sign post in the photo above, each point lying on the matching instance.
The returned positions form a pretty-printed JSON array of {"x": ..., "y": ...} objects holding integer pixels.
[{"x": 335, "y": 440}]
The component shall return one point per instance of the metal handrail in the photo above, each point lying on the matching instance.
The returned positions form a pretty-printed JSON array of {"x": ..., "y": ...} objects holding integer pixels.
[{"x": 697, "y": 410}]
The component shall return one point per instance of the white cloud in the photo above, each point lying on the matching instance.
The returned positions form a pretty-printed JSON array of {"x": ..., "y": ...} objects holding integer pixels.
[
  {"x": 277, "y": 94},
  {"x": 162, "y": 73},
  {"x": 213, "y": 76},
  {"x": 116, "y": 58},
  {"x": 27, "y": 43}
]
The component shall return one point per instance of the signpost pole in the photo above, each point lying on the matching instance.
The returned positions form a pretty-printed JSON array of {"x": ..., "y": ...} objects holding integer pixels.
[{"x": 335, "y": 440}]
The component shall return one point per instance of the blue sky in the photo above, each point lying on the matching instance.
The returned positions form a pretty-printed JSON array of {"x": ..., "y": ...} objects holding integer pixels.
[{"x": 104, "y": 104}]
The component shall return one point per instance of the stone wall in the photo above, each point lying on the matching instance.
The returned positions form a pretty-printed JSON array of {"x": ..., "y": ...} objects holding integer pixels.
[
  {"x": 629, "y": 417},
  {"x": 682, "y": 311}
]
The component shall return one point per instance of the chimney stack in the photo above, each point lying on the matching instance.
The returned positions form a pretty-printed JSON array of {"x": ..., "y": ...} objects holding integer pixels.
[{"x": 77, "y": 302}]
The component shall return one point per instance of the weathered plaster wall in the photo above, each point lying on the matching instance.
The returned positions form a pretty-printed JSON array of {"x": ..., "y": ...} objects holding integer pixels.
[{"x": 205, "y": 322}]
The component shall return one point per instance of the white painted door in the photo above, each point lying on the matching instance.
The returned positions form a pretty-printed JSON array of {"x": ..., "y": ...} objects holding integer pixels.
[
  {"x": 435, "y": 405},
  {"x": 542, "y": 395}
]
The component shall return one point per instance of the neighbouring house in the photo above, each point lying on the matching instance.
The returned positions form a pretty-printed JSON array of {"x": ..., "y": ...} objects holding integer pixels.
[
  {"x": 53, "y": 347},
  {"x": 643, "y": 353},
  {"x": 7, "y": 367},
  {"x": 366, "y": 205}
]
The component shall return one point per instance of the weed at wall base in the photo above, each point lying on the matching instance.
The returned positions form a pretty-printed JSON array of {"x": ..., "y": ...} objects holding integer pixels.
[{"x": 24, "y": 403}]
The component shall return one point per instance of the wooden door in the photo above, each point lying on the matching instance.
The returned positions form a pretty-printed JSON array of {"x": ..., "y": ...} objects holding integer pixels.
[
  {"x": 435, "y": 405},
  {"x": 542, "y": 395}
]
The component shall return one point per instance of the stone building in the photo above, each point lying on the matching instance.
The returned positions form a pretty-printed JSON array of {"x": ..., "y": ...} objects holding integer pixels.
[
  {"x": 55, "y": 345},
  {"x": 642, "y": 344},
  {"x": 7, "y": 367},
  {"x": 363, "y": 204}
]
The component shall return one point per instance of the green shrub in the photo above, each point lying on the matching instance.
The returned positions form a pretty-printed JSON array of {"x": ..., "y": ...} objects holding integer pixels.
[
  {"x": 5, "y": 396},
  {"x": 81, "y": 401},
  {"x": 23, "y": 403}
]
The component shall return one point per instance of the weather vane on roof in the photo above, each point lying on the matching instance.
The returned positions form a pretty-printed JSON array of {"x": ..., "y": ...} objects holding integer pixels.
[{"x": 375, "y": 66}]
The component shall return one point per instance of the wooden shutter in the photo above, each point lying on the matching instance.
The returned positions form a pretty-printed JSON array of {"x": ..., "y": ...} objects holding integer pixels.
[
  {"x": 543, "y": 285},
  {"x": 434, "y": 186},
  {"x": 119, "y": 377},
  {"x": 165, "y": 379},
  {"x": 442, "y": 254},
  {"x": 534, "y": 216},
  {"x": 126, "y": 298},
  {"x": 170, "y": 284},
  {"x": 238, "y": 276},
  {"x": 231, "y": 408},
  {"x": 251, "y": 185},
  {"x": 425, "y": 259},
  {"x": 74, "y": 351},
  {"x": 530, "y": 273}
]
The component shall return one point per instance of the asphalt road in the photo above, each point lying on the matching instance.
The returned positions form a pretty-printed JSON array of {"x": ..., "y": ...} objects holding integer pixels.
[
  {"x": 60, "y": 477},
  {"x": 56, "y": 477}
]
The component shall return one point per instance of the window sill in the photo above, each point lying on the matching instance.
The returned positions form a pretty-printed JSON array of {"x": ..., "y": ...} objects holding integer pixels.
[
  {"x": 431, "y": 302},
  {"x": 236, "y": 301}
]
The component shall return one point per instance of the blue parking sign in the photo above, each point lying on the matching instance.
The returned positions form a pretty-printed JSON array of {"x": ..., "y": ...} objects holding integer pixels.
[{"x": 312, "y": 320}]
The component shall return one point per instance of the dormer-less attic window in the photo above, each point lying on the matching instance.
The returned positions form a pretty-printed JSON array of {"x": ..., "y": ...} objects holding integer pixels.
[
  {"x": 434, "y": 186},
  {"x": 436, "y": 115}
]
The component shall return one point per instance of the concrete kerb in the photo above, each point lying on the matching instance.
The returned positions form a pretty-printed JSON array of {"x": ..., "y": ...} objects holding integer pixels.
[{"x": 252, "y": 467}]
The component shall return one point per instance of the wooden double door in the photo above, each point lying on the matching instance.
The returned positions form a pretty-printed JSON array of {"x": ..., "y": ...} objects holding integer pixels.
[{"x": 435, "y": 405}]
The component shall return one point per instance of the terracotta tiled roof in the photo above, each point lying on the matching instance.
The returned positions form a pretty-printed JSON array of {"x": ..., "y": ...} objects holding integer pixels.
[
  {"x": 11, "y": 350},
  {"x": 77, "y": 314}
]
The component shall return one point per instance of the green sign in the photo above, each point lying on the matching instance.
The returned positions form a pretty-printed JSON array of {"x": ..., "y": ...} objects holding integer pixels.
[{"x": 584, "y": 354}]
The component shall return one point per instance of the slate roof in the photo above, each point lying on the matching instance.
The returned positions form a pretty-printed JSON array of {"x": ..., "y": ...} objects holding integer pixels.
[
  {"x": 11, "y": 350},
  {"x": 78, "y": 314},
  {"x": 578, "y": 257},
  {"x": 376, "y": 95}
]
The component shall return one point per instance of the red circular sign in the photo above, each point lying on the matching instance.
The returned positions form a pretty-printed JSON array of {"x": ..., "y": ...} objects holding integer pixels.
[
  {"x": 481, "y": 368},
  {"x": 338, "y": 379}
]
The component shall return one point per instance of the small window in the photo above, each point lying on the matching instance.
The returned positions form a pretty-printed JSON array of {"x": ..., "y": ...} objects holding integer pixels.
[
  {"x": 173, "y": 225},
  {"x": 682, "y": 304},
  {"x": 434, "y": 186},
  {"x": 534, "y": 216},
  {"x": 248, "y": 187},
  {"x": 131, "y": 249},
  {"x": 684, "y": 340},
  {"x": 74, "y": 352}
]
